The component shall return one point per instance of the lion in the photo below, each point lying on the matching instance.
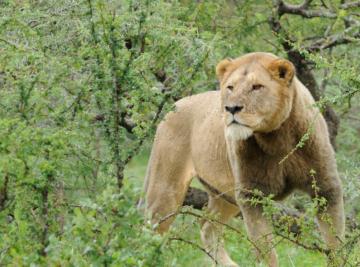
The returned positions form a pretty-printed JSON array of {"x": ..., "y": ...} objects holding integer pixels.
[{"x": 241, "y": 139}]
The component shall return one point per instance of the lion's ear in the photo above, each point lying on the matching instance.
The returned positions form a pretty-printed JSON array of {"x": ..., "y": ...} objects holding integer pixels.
[
  {"x": 222, "y": 67},
  {"x": 282, "y": 70}
]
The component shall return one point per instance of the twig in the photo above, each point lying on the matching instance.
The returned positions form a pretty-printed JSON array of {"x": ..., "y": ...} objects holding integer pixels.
[
  {"x": 211, "y": 220},
  {"x": 9, "y": 43},
  {"x": 315, "y": 247},
  {"x": 194, "y": 245}
]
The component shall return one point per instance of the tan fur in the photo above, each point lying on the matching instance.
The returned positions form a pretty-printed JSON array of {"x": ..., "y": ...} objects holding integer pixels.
[{"x": 199, "y": 139}]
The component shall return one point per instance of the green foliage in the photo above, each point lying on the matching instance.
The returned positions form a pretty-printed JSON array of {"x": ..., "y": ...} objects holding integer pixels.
[
  {"x": 83, "y": 85},
  {"x": 106, "y": 230}
]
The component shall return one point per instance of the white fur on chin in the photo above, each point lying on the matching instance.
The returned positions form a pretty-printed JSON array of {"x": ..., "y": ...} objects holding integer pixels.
[{"x": 237, "y": 132}]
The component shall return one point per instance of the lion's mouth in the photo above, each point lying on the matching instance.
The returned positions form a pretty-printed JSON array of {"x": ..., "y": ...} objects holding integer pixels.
[{"x": 238, "y": 123}]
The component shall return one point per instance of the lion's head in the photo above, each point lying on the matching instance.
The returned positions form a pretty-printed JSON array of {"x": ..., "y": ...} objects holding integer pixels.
[{"x": 256, "y": 93}]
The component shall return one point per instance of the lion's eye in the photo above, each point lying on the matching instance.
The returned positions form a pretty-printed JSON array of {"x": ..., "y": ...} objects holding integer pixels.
[
  {"x": 257, "y": 87},
  {"x": 230, "y": 87}
]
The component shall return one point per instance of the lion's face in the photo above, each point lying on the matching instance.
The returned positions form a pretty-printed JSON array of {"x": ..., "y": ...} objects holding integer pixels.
[{"x": 256, "y": 93}]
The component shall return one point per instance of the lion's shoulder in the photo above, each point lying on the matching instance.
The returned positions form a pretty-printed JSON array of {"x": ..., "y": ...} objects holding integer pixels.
[{"x": 201, "y": 100}]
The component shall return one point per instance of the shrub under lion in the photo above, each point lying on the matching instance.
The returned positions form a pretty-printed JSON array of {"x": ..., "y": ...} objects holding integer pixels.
[{"x": 236, "y": 140}]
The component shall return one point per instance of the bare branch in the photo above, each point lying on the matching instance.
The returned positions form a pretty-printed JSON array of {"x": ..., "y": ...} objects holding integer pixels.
[
  {"x": 300, "y": 11},
  {"x": 9, "y": 43},
  {"x": 350, "y": 5},
  {"x": 314, "y": 247},
  {"x": 336, "y": 39}
]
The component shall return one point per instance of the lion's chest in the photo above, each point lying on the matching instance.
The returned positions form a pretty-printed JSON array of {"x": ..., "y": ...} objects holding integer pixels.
[
  {"x": 264, "y": 174},
  {"x": 258, "y": 169},
  {"x": 263, "y": 171},
  {"x": 276, "y": 174}
]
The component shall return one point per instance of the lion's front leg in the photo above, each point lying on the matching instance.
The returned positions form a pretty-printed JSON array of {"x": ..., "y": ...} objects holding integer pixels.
[
  {"x": 260, "y": 233},
  {"x": 332, "y": 224},
  {"x": 331, "y": 218},
  {"x": 258, "y": 228},
  {"x": 211, "y": 231}
]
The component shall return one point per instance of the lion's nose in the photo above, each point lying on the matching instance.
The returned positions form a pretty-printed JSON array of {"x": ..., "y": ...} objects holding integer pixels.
[{"x": 233, "y": 109}]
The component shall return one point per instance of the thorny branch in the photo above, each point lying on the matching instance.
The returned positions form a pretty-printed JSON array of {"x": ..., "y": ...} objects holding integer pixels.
[
  {"x": 193, "y": 244},
  {"x": 277, "y": 232},
  {"x": 212, "y": 220},
  {"x": 313, "y": 247},
  {"x": 116, "y": 98}
]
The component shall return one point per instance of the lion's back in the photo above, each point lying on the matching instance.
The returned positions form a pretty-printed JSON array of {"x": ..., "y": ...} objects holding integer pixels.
[{"x": 191, "y": 112}]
